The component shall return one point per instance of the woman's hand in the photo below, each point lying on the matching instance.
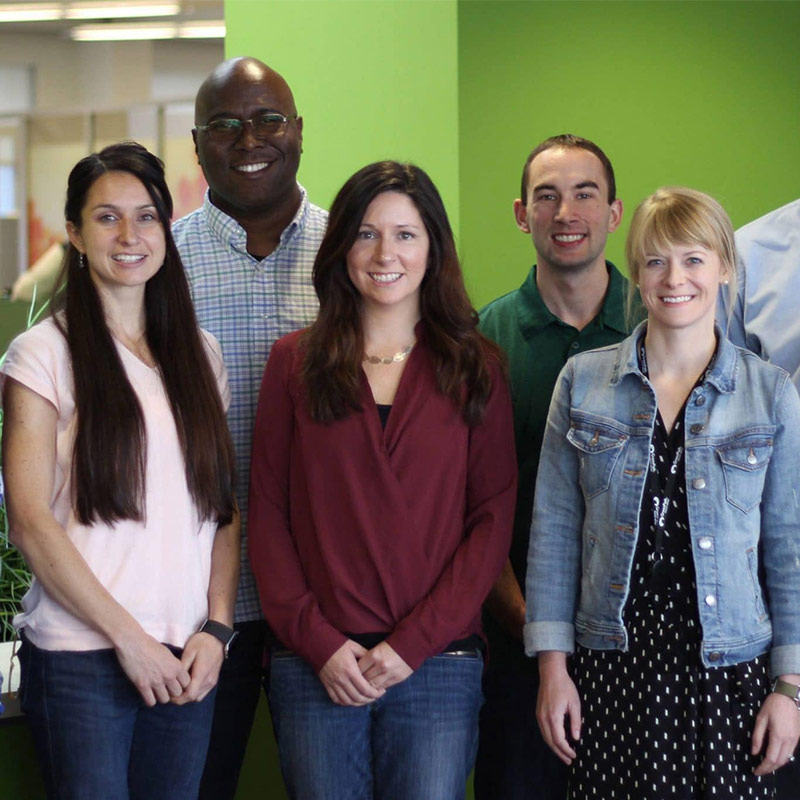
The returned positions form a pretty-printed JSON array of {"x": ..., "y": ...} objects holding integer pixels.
[
  {"x": 557, "y": 705},
  {"x": 202, "y": 658},
  {"x": 152, "y": 668},
  {"x": 777, "y": 726},
  {"x": 383, "y": 667},
  {"x": 342, "y": 678}
]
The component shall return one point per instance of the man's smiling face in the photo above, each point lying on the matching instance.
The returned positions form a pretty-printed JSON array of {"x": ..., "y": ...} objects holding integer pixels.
[
  {"x": 247, "y": 174},
  {"x": 567, "y": 212}
]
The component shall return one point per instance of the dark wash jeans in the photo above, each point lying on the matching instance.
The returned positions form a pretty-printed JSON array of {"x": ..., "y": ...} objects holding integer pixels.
[
  {"x": 241, "y": 679},
  {"x": 96, "y": 739},
  {"x": 416, "y": 741}
]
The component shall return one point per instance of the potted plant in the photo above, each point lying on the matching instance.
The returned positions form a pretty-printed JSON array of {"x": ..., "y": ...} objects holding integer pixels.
[{"x": 14, "y": 576}]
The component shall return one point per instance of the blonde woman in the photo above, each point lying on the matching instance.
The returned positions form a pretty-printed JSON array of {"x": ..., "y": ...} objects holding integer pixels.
[{"x": 665, "y": 539}]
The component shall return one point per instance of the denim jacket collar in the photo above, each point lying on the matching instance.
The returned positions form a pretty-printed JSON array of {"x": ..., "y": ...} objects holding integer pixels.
[{"x": 722, "y": 375}]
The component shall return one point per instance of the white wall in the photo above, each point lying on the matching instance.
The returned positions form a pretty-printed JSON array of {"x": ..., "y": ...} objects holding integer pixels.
[{"x": 93, "y": 76}]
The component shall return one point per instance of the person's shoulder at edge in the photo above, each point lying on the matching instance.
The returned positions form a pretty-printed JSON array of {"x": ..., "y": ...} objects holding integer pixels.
[
  {"x": 498, "y": 306},
  {"x": 605, "y": 353},
  {"x": 756, "y": 365},
  {"x": 288, "y": 348},
  {"x": 761, "y": 225},
  {"x": 180, "y": 224},
  {"x": 211, "y": 342},
  {"x": 43, "y": 333},
  {"x": 317, "y": 211}
]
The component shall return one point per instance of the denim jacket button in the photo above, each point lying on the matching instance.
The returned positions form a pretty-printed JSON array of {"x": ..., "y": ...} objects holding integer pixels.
[
  {"x": 704, "y": 543},
  {"x": 710, "y": 600},
  {"x": 697, "y": 428},
  {"x": 714, "y": 656},
  {"x": 699, "y": 483},
  {"x": 700, "y": 400}
]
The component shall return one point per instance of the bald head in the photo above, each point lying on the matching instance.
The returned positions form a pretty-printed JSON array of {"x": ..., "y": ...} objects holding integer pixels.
[
  {"x": 240, "y": 72},
  {"x": 253, "y": 172}
]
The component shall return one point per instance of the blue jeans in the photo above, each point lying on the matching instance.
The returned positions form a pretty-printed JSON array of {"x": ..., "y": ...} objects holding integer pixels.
[
  {"x": 96, "y": 739},
  {"x": 417, "y": 741}
]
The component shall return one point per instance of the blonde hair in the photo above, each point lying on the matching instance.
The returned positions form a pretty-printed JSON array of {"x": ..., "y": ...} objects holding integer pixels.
[{"x": 677, "y": 215}]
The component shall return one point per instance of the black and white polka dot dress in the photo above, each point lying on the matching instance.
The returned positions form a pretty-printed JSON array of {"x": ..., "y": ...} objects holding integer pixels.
[{"x": 656, "y": 723}]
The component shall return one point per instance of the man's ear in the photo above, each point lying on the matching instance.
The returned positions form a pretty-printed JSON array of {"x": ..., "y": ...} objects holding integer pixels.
[
  {"x": 616, "y": 216},
  {"x": 521, "y": 216},
  {"x": 194, "y": 139}
]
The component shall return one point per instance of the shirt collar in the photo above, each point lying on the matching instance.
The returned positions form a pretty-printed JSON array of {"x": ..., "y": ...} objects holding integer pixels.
[
  {"x": 722, "y": 375},
  {"x": 534, "y": 315},
  {"x": 233, "y": 235}
]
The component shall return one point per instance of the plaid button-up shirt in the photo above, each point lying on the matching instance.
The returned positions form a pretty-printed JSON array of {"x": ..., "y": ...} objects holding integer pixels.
[{"x": 248, "y": 304}]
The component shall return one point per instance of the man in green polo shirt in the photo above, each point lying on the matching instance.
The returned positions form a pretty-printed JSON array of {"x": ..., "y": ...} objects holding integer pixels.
[{"x": 572, "y": 300}]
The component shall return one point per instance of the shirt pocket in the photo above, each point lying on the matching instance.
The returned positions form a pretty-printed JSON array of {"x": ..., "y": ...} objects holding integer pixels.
[
  {"x": 744, "y": 467},
  {"x": 599, "y": 447}
]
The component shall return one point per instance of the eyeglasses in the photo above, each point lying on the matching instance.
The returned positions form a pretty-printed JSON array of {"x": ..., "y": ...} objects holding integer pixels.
[{"x": 264, "y": 125}]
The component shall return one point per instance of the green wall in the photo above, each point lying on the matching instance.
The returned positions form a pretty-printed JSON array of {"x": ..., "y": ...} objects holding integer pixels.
[
  {"x": 697, "y": 93},
  {"x": 373, "y": 79}
]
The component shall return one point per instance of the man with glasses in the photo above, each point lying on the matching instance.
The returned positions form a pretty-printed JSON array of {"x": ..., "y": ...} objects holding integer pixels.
[
  {"x": 248, "y": 253},
  {"x": 571, "y": 300}
]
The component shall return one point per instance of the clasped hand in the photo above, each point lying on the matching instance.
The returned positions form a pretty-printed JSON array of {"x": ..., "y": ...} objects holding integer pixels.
[
  {"x": 161, "y": 677},
  {"x": 355, "y": 676}
]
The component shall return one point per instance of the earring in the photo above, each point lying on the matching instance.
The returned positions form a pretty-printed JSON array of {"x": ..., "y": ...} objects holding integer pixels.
[{"x": 82, "y": 263}]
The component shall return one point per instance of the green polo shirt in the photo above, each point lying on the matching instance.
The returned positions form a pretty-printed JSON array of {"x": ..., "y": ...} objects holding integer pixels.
[{"x": 538, "y": 345}]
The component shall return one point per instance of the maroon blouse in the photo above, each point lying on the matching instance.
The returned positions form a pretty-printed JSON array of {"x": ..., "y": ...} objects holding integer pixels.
[{"x": 360, "y": 529}]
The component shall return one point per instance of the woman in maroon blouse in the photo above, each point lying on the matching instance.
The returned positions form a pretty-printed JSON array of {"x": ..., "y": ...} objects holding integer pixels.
[{"x": 381, "y": 502}]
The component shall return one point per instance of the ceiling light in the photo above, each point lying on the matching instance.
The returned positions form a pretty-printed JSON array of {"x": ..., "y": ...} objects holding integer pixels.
[
  {"x": 123, "y": 32},
  {"x": 130, "y": 31},
  {"x": 110, "y": 10},
  {"x": 29, "y": 12},
  {"x": 207, "y": 29}
]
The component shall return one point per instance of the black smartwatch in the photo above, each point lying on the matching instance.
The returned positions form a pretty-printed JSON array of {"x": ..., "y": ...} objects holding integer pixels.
[{"x": 221, "y": 632}]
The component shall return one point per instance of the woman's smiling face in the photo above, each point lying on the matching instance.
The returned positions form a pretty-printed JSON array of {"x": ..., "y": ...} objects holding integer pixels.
[
  {"x": 120, "y": 234},
  {"x": 679, "y": 286},
  {"x": 389, "y": 257}
]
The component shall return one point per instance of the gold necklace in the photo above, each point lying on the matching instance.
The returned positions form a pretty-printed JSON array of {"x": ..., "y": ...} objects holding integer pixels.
[{"x": 395, "y": 359}]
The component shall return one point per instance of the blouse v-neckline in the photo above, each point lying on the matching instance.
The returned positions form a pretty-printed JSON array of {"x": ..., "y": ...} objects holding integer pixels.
[{"x": 132, "y": 357}]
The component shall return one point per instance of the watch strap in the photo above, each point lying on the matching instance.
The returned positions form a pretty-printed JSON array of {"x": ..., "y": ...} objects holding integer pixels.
[
  {"x": 219, "y": 631},
  {"x": 789, "y": 689}
]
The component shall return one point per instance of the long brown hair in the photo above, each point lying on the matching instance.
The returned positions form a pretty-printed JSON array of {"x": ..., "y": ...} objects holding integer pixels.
[
  {"x": 334, "y": 344},
  {"x": 110, "y": 451}
]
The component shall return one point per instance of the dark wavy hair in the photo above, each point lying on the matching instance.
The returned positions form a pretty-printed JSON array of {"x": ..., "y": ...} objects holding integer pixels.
[
  {"x": 110, "y": 451},
  {"x": 334, "y": 344}
]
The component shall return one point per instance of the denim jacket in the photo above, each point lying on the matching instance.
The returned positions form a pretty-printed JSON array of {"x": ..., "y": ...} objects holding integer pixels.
[{"x": 742, "y": 459}]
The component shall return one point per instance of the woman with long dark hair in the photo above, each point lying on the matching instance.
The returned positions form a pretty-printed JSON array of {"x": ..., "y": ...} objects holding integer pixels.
[
  {"x": 118, "y": 469},
  {"x": 381, "y": 501},
  {"x": 665, "y": 539}
]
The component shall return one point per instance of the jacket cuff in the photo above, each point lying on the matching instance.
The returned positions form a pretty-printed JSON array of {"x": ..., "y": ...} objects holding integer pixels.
[
  {"x": 548, "y": 635},
  {"x": 784, "y": 660}
]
